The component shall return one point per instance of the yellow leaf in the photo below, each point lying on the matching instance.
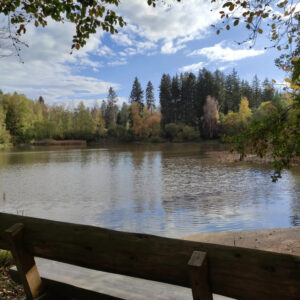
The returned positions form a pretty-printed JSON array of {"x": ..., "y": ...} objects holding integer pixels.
[
  {"x": 287, "y": 80},
  {"x": 260, "y": 31},
  {"x": 295, "y": 59},
  {"x": 36, "y": 23}
]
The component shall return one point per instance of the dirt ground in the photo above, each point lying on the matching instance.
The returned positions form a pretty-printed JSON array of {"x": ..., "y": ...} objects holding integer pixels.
[
  {"x": 9, "y": 290},
  {"x": 281, "y": 240}
]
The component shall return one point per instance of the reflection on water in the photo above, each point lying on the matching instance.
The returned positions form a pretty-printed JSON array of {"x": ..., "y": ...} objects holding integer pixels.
[{"x": 171, "y": 190}]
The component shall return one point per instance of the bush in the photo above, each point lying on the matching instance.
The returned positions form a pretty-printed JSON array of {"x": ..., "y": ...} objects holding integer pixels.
[
  {"x": 189, "y": 133},
  {"x": 171, "y": 131},
  {"x": 6, "y": 258}
]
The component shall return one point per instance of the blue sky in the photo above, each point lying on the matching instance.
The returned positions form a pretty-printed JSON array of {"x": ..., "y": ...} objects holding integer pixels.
[{"x": 165, "y": 39}]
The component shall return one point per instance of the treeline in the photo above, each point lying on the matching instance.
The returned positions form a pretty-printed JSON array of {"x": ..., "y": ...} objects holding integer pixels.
[
  {"x": 203, "y": 101},
  {"x": 208, "y": 105}
]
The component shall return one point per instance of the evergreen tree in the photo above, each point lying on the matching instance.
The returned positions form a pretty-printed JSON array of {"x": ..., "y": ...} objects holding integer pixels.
[
  {"x": 176, "y": 103},
  {"x": 268, "y": 91},
  {"x": 150, "y": 100},
  {"x": 236, "y": 91},
  {"x": 256, "y": 93},
  {"x": 232, "y": 92},
  {"x": 246, "y": 90},
  {"x": 188, "y": 98},
  {"x": 111, "y": 109},
  {"x": 205, "y": 86},
  {"x": 165, "y": 98},
  {"x": 123, "y": 115},
  {"x": 41, "y": 100},
  {"x": 137, "y": 94},
  {"x": 219, "y": 89}
]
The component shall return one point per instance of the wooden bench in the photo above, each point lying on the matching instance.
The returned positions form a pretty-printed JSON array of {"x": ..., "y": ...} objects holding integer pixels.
[{"x": 239, "y": 273}]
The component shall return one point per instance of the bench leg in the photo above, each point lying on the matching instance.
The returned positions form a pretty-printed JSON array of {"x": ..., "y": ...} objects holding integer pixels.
[
  {"x": 198, "y": 273},
  {"x": 25, "y": 263}
]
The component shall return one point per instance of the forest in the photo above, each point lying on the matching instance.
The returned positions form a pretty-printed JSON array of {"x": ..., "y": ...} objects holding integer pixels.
[{"x": 206, "y": 106}]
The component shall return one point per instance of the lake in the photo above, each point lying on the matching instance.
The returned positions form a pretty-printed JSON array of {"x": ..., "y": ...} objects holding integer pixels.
[{"x": 166, "y": 189}]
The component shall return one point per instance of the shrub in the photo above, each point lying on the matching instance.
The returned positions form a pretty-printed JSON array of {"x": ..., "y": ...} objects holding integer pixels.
[
  {"x": 171, "y": 131},
  {"x": 6, "y": 258},
  {"x": 189, "y": 133}
]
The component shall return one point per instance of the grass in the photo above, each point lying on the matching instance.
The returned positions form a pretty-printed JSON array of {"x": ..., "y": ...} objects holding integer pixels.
[{"x": 6, "y": 258}]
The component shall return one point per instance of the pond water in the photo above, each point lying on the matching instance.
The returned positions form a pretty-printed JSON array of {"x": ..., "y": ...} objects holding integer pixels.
[{"x": 171, "y": 189}]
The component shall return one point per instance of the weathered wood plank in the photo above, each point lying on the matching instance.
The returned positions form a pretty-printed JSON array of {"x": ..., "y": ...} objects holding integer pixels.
[
  {"x": 67, "y": 291},
  {"x": 235, "y": 272},
  {"x": 198, "y": 272},
  {"x": 25, "y": 263}
]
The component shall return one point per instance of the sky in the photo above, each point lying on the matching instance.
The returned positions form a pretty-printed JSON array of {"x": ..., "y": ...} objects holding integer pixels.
[{"x": 165, "y": 39}]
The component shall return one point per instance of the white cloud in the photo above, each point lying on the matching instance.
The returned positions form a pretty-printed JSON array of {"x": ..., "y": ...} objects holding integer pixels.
[
  {"x": 105, "y": 51},
  {"x": 49, "y": 69},
  {"x": 224, "y": 53},
  {"x": 192, "y": 68},
  {"x": 122, "y": 39},
  {"x": 169, "y": 48},
  {"x": 170, "y": 25},
  {"x": 118, "y": 62}
]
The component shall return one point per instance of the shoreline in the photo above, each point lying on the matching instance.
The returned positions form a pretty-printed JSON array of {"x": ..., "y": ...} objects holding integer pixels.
[{"x": 281, "y": 240}]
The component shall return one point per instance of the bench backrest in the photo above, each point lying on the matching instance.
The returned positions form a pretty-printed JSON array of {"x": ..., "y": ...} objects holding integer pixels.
[{"x": 232, "y": 271}]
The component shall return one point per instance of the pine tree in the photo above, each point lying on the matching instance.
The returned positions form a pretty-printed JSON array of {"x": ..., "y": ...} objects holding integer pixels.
[
  {"x": 219, "y": 93},
  {"x": 123, "y": 115},
  {"x": 188, "y": 98},
  {"x": 246, "y": 90},
  {"x": 176, "y": 100},
  {"x": 112, "y": 109},
  {"x": 205, "y": 86},
  {"x": 268, "y": 91},
  {"x": 165, "y": 98},
  {"x": 137, "y": 94},
  {"x": 256, "y": 93},
  {"x": 150, "y": 100}
]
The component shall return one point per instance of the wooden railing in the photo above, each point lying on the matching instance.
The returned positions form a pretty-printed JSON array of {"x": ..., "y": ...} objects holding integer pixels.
[{"x": 235, "y": 272}]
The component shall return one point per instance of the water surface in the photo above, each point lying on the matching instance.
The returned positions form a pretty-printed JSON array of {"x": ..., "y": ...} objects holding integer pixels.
[{"x": 170, "y": 190}]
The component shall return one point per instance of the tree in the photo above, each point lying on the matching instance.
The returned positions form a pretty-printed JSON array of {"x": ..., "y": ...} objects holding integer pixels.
[
  {"x": 188, "y": 98},
  {"x": 87, "y": 16},
  {"x": 210, "y": 118},
  {"x": 18, "y": 117},
  {"x": 98, "y": 120},
  {"x": 278, "y": 21},
  {"x": 123, "y": 115},
  {"x": 268, "y": 91},
  {"x": 137, "y": 94},
  {"x": 245, "y": 112},
  {"x": 111, "y": 109},
  {"x": 41, "y": 100},
  {"x": 177, "y": 105},
  {"x": 4, "y": 134},
  {"x": 150, "y": 100},
  {"x": 139, "y": 126},
  {"x": 84, "y": 125},
  {"x": 256, "y": 93},
  {"x": 165, "y": 98}
]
